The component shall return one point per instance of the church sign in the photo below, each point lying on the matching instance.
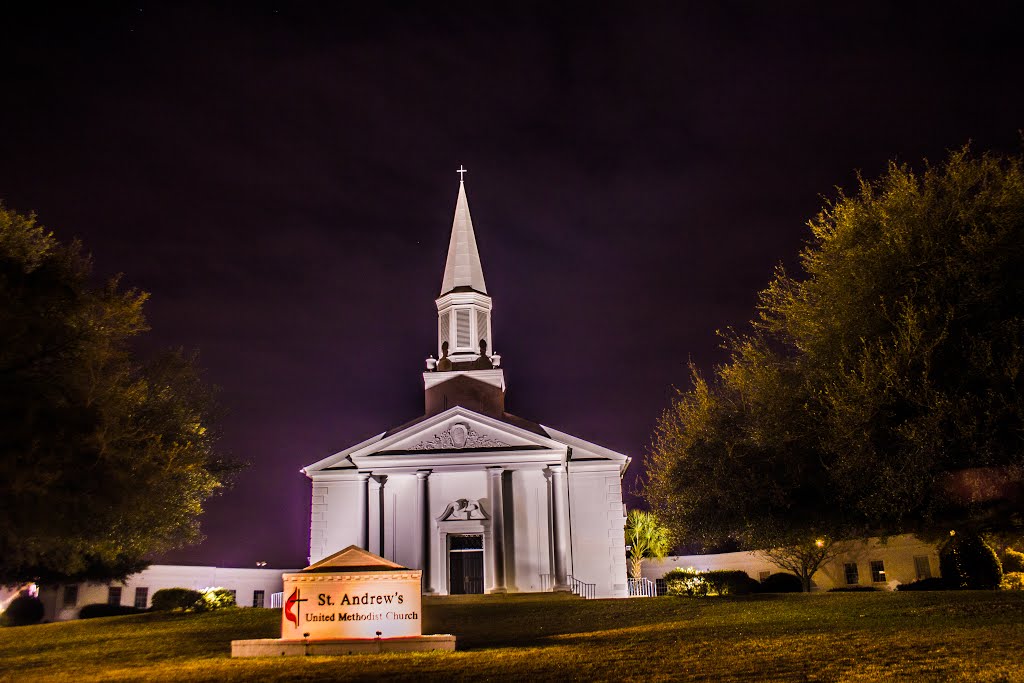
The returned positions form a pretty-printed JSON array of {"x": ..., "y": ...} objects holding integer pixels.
[
  {"x": 351, "y": 602},
  {"x": 382, "y": 603}
]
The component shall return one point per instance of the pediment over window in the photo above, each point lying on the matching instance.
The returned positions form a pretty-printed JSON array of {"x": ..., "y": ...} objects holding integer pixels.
[{"x": 461, "y": 510}]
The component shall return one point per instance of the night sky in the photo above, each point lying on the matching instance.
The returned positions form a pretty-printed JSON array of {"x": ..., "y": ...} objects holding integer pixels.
[{"x": 281, "y": 178}]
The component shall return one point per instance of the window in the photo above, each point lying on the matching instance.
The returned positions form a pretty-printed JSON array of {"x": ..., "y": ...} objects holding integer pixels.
[
  {"x": 877, "y": 571},
  {"x": 922, "y": 567},
  {"x": 659, "y": 587},
  {"x": 462, "y": 340},
  {"x": 257, "y": 598},
  {"x": 852, "y": 575},
  {"x": 71, "y": 595},
  {"x": 114, "y": 595},
  {"x": 443, "y": 329},
  {"x": 762, "y": 575},
  {"x": 142, "y": 597},
  {"x": 481, "y": 328}
]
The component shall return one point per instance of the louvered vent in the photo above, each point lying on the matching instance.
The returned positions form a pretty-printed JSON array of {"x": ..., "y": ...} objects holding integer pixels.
[
  {"x": 462, "y": 328},
  {"x": 443, "y": 329},
  {"x": 481, "y": 328}
]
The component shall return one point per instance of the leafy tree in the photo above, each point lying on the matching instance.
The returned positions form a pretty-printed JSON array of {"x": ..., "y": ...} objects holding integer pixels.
[
  {"x": 646, "y": 538},
  {"x": 805, "y": 559},
  {"x": 880, "y": 389},
  {"x": 104, "y": 459}
]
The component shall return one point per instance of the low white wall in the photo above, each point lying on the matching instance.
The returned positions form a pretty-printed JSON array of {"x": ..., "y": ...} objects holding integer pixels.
[
  {"x": 244, "y": 581},
  {"x": 897, "y": 556}
]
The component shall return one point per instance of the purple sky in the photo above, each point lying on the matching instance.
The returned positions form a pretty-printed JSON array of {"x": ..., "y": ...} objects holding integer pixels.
[{"x": 282, "y": 179}]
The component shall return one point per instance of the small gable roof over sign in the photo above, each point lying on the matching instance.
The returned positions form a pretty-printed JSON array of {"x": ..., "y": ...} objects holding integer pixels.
[{"x": 353, "y": 559}]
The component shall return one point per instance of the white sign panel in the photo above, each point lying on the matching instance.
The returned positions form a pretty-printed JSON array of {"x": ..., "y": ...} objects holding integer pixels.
[{"x": 332, "y": 605}]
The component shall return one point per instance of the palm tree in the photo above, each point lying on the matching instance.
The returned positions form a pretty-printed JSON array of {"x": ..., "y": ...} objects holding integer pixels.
[{"x": 646, "y": 538}]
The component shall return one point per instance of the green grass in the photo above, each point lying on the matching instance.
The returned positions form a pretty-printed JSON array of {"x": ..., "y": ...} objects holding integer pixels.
[{"x": 975, "y": 636}]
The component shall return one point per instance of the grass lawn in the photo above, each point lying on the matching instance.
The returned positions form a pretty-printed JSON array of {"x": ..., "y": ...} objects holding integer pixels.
[{"x": 975, "y": 636}]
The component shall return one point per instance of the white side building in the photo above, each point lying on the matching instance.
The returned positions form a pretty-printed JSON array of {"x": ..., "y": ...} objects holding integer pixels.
[
  {"x": 479, "y": 499},
  {"x": 901, "y": 559},
  {"x": 252, "y": 588}
]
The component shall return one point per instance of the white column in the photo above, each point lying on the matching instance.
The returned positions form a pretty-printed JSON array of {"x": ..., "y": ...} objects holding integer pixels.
[
  {"x": 494, "y": 477},
  {"x": 364, "y": 510},
  {"x": 559, "y": 526},
  {"x": 424, "y": 514},
  {"x": 377, "y": 502}
]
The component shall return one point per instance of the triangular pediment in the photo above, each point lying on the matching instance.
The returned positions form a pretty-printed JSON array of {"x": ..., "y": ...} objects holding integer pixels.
[
  {"x": 457, "y": 430},
  {"x": 458, "y": 436},
  {"x": 353, "y": 558}
]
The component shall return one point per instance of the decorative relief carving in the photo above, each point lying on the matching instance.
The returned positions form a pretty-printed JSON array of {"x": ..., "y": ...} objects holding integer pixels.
[
  {"x": 459, "y": 435},
  {"x": 462, "y": 509}
]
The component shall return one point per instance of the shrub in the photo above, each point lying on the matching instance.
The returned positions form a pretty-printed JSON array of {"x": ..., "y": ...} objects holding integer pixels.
[
  {"x": 729, "y": 582},
  {"x": 852, "y": 589},
  {"x": 24, "y": 610},
  {"x": 103, "y": 609},
  {"x": 218, "y": 598},
  {"x": 1013, "y": 581},
  {"x": 781, "y": 582},
  {"x": 932, "y": 584},
  {"x": 687, "y": 582},
  {"x": 167, "y": 599},
  {"x": 966, "y": 561},
  {"x": 1013, "y": 561}
]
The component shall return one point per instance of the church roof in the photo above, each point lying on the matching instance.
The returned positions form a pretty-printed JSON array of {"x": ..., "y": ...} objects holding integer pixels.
[
  {"x": 494, "y": 439},
  {"x": 508, "y": 418},
  {"x": 353, "y": 559},
  {"x": 462, "y": 270}
]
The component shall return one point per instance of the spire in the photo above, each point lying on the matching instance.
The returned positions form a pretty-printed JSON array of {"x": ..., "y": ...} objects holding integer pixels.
[{"x": 462, "y": 271}]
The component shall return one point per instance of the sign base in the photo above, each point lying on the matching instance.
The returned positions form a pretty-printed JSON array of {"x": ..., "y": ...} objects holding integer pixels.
[{"x": 278, "y": 647}]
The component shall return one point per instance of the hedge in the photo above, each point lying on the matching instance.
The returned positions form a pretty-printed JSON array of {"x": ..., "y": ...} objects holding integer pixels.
[
  {"x": 966, "y": 561},
  {"x": 167, "y": 599},
  {"x": 781, "y": 582},
  {"x": 24, "y": 610}
]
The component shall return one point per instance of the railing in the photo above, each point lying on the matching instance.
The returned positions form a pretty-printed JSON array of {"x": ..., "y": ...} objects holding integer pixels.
[
  {"x": 642, "y": 588},
  {"x": 582, "y": 589},
  {"x": 276, "y": 600}
]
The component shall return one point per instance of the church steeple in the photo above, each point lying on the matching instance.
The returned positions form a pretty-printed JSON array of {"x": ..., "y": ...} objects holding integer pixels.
[
  {"x": 462, "y": 270},
  {"x": 464, "y": 308}
]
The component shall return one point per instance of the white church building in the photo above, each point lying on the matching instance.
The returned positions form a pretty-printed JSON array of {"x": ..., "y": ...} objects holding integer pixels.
[{"x": 481, "y": 500}]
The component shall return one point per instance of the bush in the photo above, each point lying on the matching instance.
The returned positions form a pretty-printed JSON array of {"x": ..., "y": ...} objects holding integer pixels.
[
  {"x": 1013, "y": 581},
  {"x": 852, "y": 589},
  {"x": 1013, "y": 562},
  {"x": 167, "y": 599},
  {"x": 687, "y": 582},
  {"x": 781, "y": 582},
  {"x": 218, "y": 598},
  {"x": 966, "y": 561},
  {"x": 697, "y": 584},
  {"x": 103, "y": 609},
  {"x": 932, "y": 584},
  {"x": 729, "y": 582},
  {"x": 24, "y": 610}
]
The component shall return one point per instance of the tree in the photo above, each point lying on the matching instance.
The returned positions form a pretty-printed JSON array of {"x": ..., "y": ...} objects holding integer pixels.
[
  {"x": 879, "y": 390},
  {"x": 104, "y": 459},
  {"x": 646, "y": 538},
  {"x": 805, "y": 559}
]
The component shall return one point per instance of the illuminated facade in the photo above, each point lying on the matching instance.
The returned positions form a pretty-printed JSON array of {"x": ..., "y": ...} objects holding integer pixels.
[{"x": 479, "y": 499}]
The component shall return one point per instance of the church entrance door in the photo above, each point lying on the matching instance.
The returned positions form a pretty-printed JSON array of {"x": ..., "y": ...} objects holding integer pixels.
[{"x": 465, "y": 564}]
